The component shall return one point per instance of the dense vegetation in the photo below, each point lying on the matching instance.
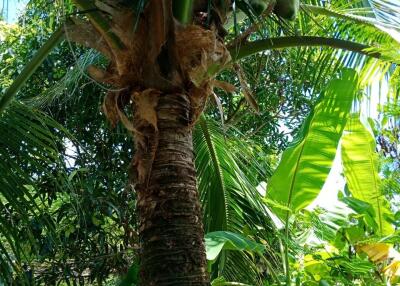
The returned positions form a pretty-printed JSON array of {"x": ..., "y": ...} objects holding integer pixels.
[{"x": 296, "y": 95}]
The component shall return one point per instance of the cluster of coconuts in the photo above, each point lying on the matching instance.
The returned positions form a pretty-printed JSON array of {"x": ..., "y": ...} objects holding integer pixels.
[{"x": 286, "y": 9}]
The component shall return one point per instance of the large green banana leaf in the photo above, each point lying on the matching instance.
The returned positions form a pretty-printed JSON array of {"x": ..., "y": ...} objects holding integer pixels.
[
  {"x": 307, "y": 161},
  {"x": 360, "y": 163}
]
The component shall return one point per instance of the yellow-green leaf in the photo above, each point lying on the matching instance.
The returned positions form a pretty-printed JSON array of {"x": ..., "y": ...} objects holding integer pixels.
[
  {"x": 307, "y": 161},
  {"x": 360, "y": 163}
]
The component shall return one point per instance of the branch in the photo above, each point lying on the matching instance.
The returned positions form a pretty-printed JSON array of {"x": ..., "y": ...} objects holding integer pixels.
[
  {"x": 250, "y": 48},
  {"x": 31, "y": 67}
]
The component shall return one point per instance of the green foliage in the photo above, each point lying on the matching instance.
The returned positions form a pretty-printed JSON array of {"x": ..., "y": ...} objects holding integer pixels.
[
  {"x": 361, "y": 170},
  {"x": 306, "y": 163},
  {"x": 29, "y": 159},
  {"x": 67, "y": 215},
  {"x": 30, "y": 68},
  {"x": 131, "y": 277},
  {"x": 228, "y": 175},
  {"x": 218, "y": 240}
]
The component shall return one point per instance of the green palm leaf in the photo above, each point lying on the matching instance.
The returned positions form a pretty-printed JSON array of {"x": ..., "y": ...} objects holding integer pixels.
[
  {"x": 212, "y": 183},
  {"x": 360, "y": 164},
  {"x": 227, "y": 179},
  {"x": 29, "y": 152},
  {"x": 306, "y": 163}
]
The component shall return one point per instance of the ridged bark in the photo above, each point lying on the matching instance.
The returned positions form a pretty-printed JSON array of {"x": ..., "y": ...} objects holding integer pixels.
[{"x": 171, "y": 231}]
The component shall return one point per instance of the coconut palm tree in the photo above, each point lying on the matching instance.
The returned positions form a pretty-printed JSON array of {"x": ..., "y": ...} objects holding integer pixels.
[{"x": 163, "y": 58}]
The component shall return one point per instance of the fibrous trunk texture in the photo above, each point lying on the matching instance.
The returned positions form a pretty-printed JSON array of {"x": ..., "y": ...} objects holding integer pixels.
[
  {"x": 171, "y": 231},
  {"x": 162, "y": 73}
]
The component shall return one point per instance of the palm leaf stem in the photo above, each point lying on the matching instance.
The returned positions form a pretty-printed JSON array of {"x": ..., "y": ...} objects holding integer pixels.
[
  {"x": 287, "y": 216},
  {"x": 250, "y": 48},
  {"x": 183, "y": 10}
]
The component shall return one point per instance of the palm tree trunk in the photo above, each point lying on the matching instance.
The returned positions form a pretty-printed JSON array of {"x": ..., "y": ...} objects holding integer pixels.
[{"x": 171, "y": 230}]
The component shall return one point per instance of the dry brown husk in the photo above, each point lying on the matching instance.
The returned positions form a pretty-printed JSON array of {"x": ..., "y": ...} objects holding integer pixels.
[{"x": 193, "y": 55}]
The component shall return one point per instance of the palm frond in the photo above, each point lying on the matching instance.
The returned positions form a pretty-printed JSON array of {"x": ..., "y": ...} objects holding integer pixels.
[
  {"x": 387, "y": 11},
  {"x": 228, "y": 177},
  {"x": 67, "y": 88},
  {"x": 29, "y": 153}
]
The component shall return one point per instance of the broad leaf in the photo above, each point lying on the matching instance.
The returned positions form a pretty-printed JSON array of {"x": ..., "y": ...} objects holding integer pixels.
[
  {"x": 218, "y": 240},
  {"x": 360, "y": 164},
  {"x": 307, "y": 161},
  {"x": 377, "y": 252},
  {"x": 364, "y": 209}
]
